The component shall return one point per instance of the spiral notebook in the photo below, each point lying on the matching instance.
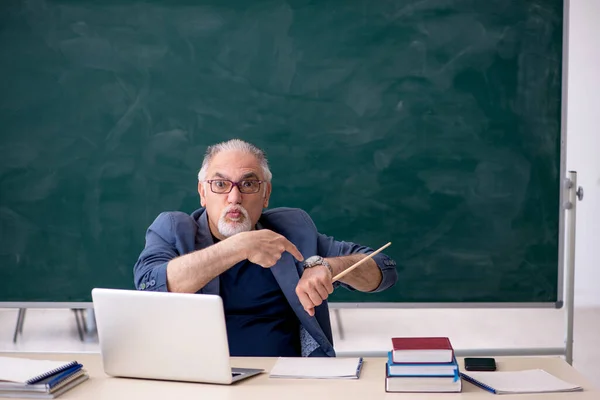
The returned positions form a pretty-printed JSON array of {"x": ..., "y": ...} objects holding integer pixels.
[
  {"x": 28, "y": 371},
  {"x": 528, "y": 381}
]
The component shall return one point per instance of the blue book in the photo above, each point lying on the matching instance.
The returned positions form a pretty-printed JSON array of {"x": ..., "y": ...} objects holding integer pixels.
[
  {"x": 422, "y": 383},
  {"x": 437, "y": 369}
]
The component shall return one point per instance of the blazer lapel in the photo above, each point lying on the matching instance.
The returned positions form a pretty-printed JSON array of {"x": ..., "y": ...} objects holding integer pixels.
[{"x": 287, "y": 277}]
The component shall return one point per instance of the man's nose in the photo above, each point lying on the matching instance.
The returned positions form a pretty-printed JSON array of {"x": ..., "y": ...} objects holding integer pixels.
[{"x": 235, "y": 196}]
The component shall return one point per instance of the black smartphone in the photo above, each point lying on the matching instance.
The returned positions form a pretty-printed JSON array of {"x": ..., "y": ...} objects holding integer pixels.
[{"x": 480, "y": 364}]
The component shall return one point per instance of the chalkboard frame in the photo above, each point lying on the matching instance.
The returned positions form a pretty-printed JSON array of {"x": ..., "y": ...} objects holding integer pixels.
[{"x": 562, "y": 250}]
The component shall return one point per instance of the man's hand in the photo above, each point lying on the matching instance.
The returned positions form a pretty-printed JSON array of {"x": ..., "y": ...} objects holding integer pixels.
[
  {"x": 314, "y": 287},
  {"x": 264, "y": 247}
]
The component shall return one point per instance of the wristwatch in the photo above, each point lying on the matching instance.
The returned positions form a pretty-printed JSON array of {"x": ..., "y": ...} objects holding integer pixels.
[{"x": 317, "y": 260}]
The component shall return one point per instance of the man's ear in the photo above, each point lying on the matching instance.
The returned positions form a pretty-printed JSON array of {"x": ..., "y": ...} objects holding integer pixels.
[
  {"x": 267, "y": 195},
  {"x": 202, "y": 194}
]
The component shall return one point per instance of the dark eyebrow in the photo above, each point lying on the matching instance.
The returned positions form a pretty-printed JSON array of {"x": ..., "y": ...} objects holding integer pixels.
[
  {"x": 219, "y": 175},
  {"x": 250, "y": 175},
  {"x": 244, "y": 177}
]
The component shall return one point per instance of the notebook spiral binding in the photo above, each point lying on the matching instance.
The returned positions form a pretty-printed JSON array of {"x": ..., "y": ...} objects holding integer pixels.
[
  {"x": 50, "y": 373},
  {"x": 477, "y": 383}
]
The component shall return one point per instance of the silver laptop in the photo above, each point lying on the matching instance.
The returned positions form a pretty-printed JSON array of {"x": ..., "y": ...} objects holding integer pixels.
[{"x": 170, "y": 336}]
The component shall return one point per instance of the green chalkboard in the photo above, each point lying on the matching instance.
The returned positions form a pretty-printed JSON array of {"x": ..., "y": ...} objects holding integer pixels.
[{"x": 435, "y": 125}]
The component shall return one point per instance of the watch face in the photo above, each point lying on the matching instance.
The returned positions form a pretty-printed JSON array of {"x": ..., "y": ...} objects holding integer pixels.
[{"x": 310, "y": 261}]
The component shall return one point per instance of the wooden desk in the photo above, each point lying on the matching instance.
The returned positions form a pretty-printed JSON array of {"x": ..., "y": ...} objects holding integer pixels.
[{"x": 370, "y": 386}]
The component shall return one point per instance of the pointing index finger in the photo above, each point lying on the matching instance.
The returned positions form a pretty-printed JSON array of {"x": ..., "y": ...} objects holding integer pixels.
[{"x": 293, "y": 250}]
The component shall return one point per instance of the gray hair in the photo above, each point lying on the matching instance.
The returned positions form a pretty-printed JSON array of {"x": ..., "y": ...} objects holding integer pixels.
[{"x": 238, "y": 145}]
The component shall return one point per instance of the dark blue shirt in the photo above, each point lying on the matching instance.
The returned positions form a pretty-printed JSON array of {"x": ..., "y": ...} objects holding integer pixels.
[{"x": 259, "y": 320}]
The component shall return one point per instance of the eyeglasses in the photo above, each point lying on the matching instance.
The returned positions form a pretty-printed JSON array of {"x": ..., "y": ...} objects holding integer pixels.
[{"x": 223, "y": 186}]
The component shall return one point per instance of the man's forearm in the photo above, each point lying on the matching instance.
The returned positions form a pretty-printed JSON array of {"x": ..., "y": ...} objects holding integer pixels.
[
  {"x": 191, "y": 272},
  {"x": 365, "y": 277}
]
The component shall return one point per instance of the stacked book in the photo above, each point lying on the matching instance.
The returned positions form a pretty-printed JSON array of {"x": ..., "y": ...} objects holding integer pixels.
[
  {"x": 38, "y": 379},
  {"x": 422, "y": 364}
]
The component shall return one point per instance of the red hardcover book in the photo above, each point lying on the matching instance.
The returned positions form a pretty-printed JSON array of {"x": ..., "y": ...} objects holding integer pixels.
[{"x": 422, "y": 350}]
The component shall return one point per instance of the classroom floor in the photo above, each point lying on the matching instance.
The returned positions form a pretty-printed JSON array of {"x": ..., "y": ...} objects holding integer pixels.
[{"x": 369, "y": 330}]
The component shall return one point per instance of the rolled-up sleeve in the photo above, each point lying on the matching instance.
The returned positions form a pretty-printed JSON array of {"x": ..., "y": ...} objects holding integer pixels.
[
  {"x": 327, "y": 246},
  {"x": 150, "y": 270}
]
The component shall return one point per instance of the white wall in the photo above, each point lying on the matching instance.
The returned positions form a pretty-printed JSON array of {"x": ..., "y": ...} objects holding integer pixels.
[{"x": 583, "y": 142}]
